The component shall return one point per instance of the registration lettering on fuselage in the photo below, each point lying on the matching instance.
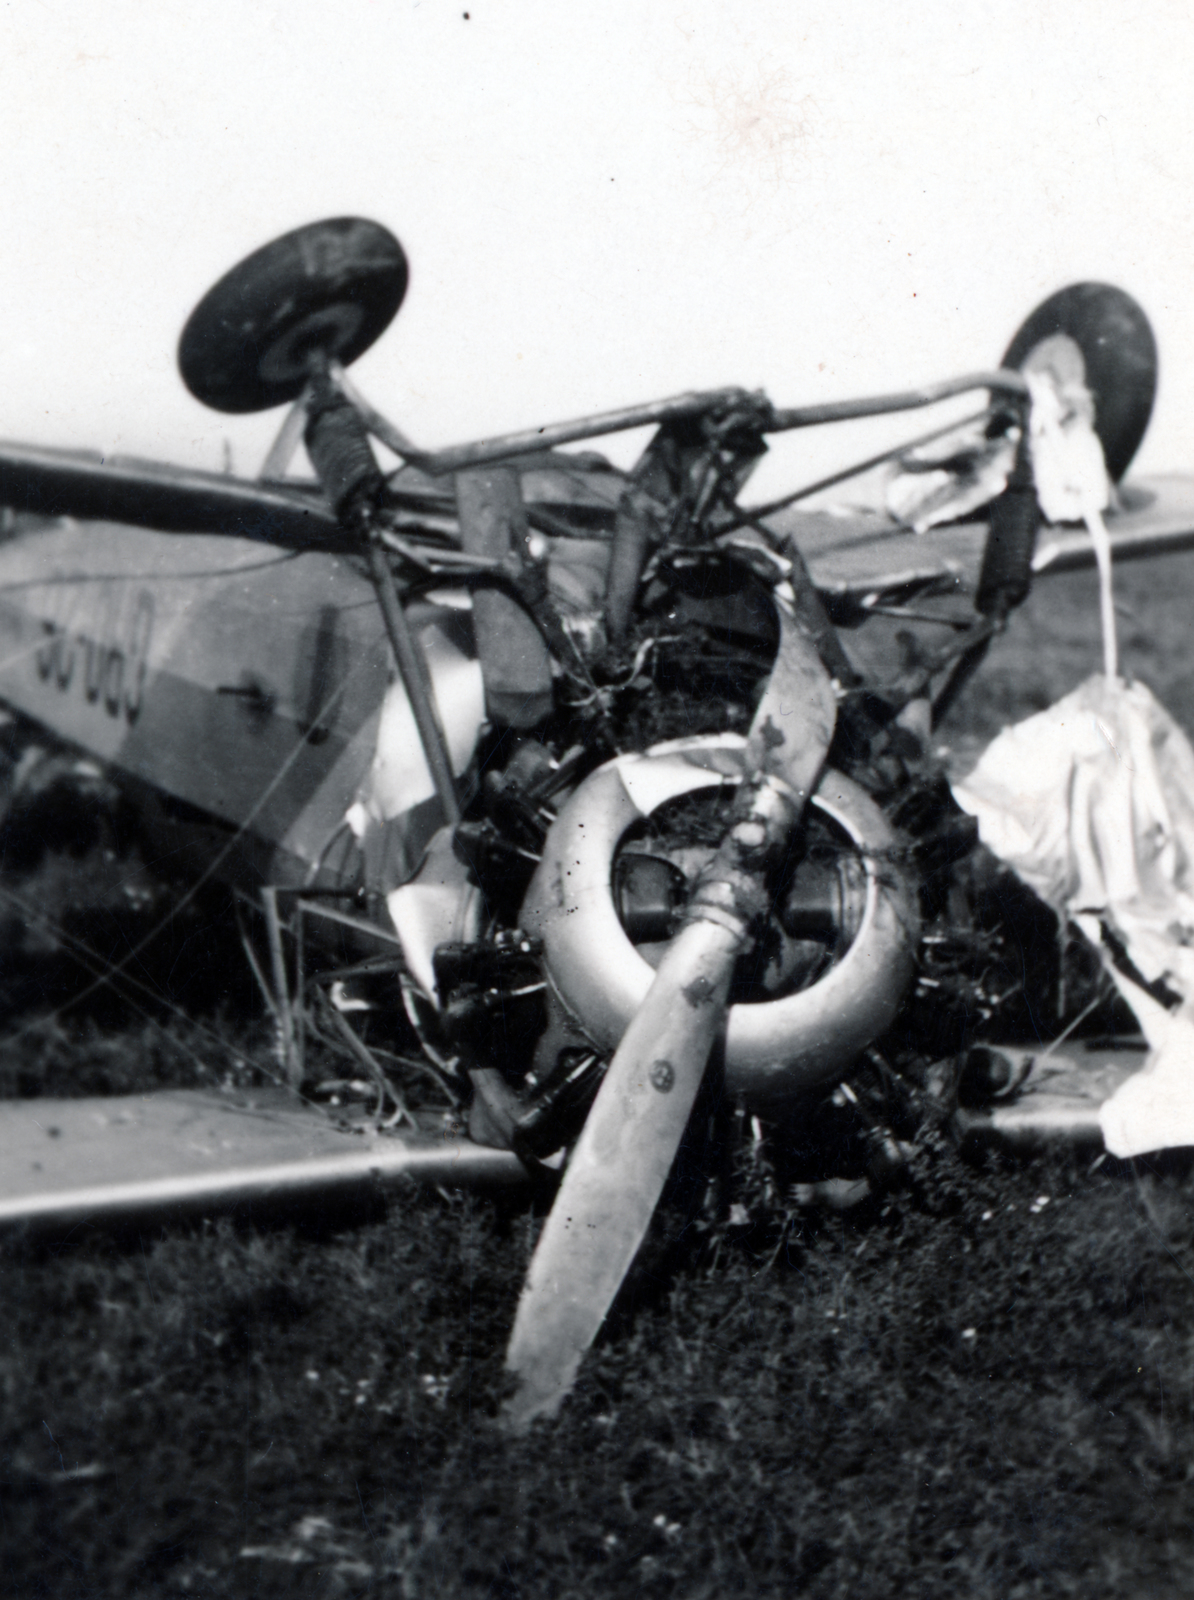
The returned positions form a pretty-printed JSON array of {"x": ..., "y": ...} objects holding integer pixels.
[{"x": 106, "y": 667}]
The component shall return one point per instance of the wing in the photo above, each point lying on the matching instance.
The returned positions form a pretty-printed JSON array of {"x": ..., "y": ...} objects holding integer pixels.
[
  {"x": 68, "y": 1163},
  {"x": 861, "y": 553}
]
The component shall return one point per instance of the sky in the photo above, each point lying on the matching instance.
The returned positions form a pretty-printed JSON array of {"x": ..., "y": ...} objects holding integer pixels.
[{"x": 602, "y": 203}]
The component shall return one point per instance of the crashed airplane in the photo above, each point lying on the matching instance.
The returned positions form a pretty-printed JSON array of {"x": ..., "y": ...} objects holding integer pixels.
[{"x": 567, "y": 791}]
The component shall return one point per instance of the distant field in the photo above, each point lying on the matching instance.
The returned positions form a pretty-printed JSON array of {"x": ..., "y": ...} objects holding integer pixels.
[
  {"x": 1052, "y": 643},
  {"x": 980, "y": 1386}
]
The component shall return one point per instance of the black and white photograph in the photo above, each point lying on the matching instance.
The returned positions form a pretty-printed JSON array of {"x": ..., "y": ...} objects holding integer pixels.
[{"x": 596, "y": 800}]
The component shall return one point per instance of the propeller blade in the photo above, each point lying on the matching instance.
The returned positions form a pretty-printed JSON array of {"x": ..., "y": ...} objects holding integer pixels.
[
  {"x": 793, "y": 725},
  {"x": 621, "y": 1162}
]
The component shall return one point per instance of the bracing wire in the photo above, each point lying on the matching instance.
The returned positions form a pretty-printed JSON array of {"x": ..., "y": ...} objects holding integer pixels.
[{"x": 209, "y": 871}]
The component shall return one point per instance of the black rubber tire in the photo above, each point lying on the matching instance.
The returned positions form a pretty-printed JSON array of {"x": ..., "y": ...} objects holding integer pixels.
[
  {"x": 1120, "y": 353},
  {"x": 334, "y": 285}
]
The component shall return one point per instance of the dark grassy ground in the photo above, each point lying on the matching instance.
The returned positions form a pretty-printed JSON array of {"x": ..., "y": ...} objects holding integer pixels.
[{"x": 979, "y": 1385}]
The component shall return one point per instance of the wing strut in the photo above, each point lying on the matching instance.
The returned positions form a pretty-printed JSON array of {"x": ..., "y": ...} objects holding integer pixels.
[{"x": 339, "y": 448}]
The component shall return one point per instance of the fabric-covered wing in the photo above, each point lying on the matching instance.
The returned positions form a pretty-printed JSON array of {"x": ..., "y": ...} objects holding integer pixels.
[{"x": 858, "y": 553}]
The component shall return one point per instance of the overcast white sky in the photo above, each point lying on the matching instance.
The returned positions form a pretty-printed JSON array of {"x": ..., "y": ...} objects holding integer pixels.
[{"x": 602, "y": 203}]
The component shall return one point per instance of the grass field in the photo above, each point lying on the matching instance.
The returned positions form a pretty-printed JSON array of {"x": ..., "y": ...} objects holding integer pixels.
[{"x": 979, "y": 1384}]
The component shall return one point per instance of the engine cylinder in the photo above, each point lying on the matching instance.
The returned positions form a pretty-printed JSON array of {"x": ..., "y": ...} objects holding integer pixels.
[{"x": 775, "y": 1049}]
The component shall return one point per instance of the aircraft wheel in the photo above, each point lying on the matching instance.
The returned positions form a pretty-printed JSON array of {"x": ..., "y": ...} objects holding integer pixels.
[
  {"x": 332, "y": 286},
  {"x": 1095, "y": 331}
]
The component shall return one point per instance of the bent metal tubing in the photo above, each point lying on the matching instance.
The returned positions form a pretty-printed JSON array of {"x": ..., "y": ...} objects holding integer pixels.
[{"x": 532, "y": 440}]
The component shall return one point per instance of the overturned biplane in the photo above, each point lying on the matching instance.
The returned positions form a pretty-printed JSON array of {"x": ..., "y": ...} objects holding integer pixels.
[{"x": 567, "y": 781}]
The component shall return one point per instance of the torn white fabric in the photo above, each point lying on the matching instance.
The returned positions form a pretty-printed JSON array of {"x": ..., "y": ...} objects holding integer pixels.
[
  {"x": 1067, "y": 457},
  {"x": 399, "y": 777},
  {"x": 948, "y": 480},
  {"x": 1154, "y": 1109},
  {"x": 956, "y": 475},
  {"x": 388, "y": 817},
  {"x": 440, "y": 905},
  {"x": 1091, "y": 802},
  {"x": 1070, "y": 474}
]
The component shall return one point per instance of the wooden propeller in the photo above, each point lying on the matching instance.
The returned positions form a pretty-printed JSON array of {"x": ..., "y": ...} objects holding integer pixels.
[{"x": 626, "y": 1149}]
